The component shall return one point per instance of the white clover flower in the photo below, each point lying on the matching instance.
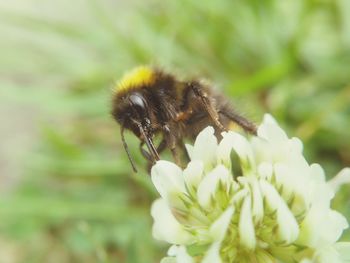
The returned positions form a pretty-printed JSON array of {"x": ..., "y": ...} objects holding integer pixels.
[{"x": 267, "y": 205}]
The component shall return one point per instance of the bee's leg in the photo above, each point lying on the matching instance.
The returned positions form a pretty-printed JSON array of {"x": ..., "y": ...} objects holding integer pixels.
[
  {"x": 171, "y": 142},
  {"x": 148, "y": 157},
  {"x": 240, "y": 120},
  {"x": 162, "y": 146},
  {"x": 176, "y": 155},
  {"x": 145, "y": 154},
  {"x": 183, "y": 149},
  {"x": 150, "y": 162},
  {"x": 225, "y": 111},
  {"x": 203, "y": 97}
]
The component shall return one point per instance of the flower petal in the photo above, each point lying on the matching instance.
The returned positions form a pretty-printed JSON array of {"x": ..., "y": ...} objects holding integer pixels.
[
  {"x": 165, "y": 226},
  {"x": 246, "y": 227},
  {"x": 265, "y": 170},
  {"x": 319, "y": 217},
  {"x": 258, "y": 207},
  {"x": 288, "y": 228},
  {"x": 172, "y": 251},
  {"x": 193, "y": 174},
  {"x": 179, "y": 255},
  {"x": 219, "y": 228},
  {"x": 343, "y": 249},
  {"x": 204, "y": 148},
  {"x": 208, "y": 185},
  {"x": 168, "y": 180},
  {"x": 269, "y": 130},
  {"x": 321, "y": 191},
  {"x": 327, "y": 255},
  {"x": 213, "y": 254},
  {"x": 343, "y": 177},
  {"x": 235, "y": 141}
]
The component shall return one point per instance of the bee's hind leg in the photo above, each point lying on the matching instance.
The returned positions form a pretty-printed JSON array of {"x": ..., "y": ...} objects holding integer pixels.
[
  {"x": 240, "y": 120},
  {"x": 225, "y": 111},
  {"x": 208, "y": 105}
]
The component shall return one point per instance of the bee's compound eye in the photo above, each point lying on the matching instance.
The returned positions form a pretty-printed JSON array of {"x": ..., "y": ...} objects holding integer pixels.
[
  {"x": 139, "y": 105},
  {"x": 137, "y": 101}
]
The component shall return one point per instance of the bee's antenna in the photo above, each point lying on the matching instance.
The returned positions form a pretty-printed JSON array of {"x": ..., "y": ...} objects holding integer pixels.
[{"x": 127, "y": 149}]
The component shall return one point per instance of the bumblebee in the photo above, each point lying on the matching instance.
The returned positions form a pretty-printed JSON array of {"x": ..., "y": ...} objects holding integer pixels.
[{"x": 151, "y": 102}]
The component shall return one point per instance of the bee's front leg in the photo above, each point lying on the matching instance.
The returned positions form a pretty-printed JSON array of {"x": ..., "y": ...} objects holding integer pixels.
[
  {"x": 150, "y": 161},
  {"x": 146, "y": 154}
]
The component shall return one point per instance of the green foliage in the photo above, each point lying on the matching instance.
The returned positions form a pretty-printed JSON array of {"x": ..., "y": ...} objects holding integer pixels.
[{"x": 68, "y": 193}]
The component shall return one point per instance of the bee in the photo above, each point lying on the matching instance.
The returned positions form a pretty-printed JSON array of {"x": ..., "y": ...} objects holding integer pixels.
[{"x": 150, "y": 102}]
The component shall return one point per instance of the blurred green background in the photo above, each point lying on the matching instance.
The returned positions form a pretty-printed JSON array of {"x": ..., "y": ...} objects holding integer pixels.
[{"x": 67, "y": 190}]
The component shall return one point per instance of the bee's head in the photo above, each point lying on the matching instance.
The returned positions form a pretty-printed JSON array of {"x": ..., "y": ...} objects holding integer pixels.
[
  {"x": 131, "y": 109},
  {"x": 132, "y": 112}
]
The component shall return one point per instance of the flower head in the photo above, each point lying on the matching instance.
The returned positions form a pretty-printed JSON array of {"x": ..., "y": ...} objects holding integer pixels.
[{"x": 248, "y": 200}]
